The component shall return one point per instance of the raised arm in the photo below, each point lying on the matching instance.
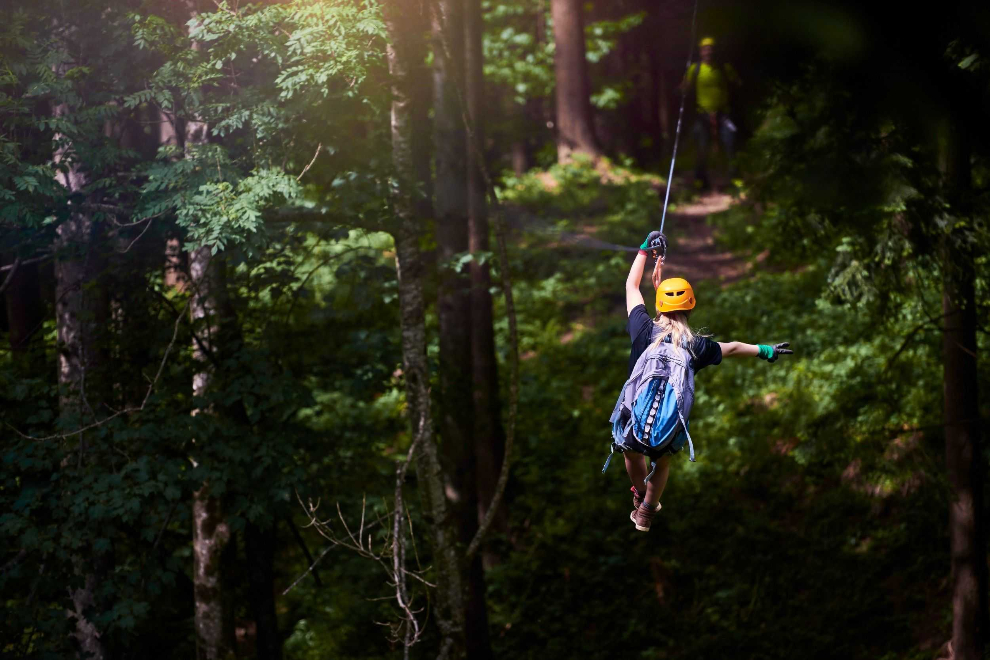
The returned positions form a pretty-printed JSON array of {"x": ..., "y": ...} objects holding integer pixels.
[
  {"x": 656, "y": 243},
  {"x": 633, "y": 295},
  {"x": 764, "y": 351}
]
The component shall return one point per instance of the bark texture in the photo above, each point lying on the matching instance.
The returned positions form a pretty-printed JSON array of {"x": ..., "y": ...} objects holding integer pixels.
[
  {"x": 80, "y": 313},
  {"x": 575, "y": 125},
  {"x": 80, "y": 310},
  {"x": 454, "y": 300},
  {"x": 489, "y": 437},
  {"x": 963, "y": 442},
  {"x": 404, "y": 21},
  {"x": 454, "y": 289},
  {"x": 214, "y": 620},
  {"x": 211, "y": 532},
  {"x": 963, "y": 464}
]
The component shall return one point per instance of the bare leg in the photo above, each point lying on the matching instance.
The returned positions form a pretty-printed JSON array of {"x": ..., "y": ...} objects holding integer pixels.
[
  {"x": 636, "y": 469},
  {"x": 658, "y": 481}
]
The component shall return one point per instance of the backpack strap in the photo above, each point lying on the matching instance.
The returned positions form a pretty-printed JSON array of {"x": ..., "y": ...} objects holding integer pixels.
[
  {"x": 611, "y": 451},
  {"x": 653, "y": 468},
  {"x": 688, "y": 434}
]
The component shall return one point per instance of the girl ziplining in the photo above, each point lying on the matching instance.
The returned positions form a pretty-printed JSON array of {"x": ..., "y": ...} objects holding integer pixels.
[{"x": 650, "y": 419}]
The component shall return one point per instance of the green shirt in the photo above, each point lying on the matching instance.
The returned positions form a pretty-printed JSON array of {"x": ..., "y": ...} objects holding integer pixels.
[{"x": 712, "y": 88}]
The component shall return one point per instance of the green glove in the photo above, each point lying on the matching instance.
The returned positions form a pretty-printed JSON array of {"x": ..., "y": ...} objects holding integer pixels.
[
  {"x": 656, "y": 243},
  {"x": 771, "y": 353}
]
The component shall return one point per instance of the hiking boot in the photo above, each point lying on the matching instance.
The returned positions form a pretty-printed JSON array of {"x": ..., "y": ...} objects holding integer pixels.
[
  {"x": 643, "y": 516},
  {"x": 637, "y": 498}
]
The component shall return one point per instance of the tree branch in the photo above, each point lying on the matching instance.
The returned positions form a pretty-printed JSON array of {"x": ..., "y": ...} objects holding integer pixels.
[
  {"x": 309, "y": 557},
  {"x": 311, "y": 569},
  {"x": 306, "y": 169},
  {"x": 26, "y": 262},
  {"x": 123, "y": 411},
  {"x": 10, "y": 276}
]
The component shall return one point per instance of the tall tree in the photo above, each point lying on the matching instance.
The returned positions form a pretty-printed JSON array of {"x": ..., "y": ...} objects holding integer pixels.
[
  {"x": 211, "y": 532},
  {"x": 575, "y": 125},
  {"x": 963, "y": 442},
  {"x": 489, "y": 438},
  {"x": 81, "y": 312},
  {"x": 406, "y": 25},
  {"x": 451, "y": 208},
  {"x": 454, "y": 298}
]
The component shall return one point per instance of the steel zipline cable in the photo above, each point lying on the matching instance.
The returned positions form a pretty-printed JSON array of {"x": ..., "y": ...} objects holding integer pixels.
[{"x": 680, "y": 115}]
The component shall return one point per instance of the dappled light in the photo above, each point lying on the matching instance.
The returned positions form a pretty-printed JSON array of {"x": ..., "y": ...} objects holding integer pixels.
[{"x": 471, "y": 330}]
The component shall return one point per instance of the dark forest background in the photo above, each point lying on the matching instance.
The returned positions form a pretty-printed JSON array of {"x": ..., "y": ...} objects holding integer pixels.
[{"x": 313, "y": 322}]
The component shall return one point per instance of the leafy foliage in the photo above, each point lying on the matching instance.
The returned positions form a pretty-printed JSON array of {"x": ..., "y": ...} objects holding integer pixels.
[{"x": 814, "y": 519}]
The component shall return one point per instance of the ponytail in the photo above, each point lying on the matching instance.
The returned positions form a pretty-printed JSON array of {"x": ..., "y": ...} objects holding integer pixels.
[{"x": 674, "y": 325}]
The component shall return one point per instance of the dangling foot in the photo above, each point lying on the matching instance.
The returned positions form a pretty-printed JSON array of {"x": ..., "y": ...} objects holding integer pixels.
[
  {"x": 637, "y": 500},
  {"x": 642, "y": 517}
]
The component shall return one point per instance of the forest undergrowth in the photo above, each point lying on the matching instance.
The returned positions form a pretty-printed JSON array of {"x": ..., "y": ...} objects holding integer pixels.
[{"x": 813, "y": 518}]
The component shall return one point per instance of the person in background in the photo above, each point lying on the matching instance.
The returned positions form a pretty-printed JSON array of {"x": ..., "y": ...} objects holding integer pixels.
[{"x": 712, "y": 124}]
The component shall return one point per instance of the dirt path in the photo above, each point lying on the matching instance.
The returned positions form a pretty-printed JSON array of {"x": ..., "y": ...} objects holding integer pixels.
[{"x": 693, "y": 253}]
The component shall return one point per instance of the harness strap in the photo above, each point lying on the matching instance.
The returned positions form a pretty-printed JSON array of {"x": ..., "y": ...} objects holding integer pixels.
[
  {"x": 688, "y": 434},
  {"x": 611, "y": 451},
  {"x": 653, "y": 468}
]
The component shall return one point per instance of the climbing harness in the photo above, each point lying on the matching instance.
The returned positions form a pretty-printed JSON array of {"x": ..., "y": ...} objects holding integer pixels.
[{"x": 680, "y": 117}]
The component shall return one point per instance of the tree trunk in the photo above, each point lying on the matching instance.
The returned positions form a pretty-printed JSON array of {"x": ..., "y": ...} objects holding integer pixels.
[
  {"x": 454, "y": 298},
  {"x": 211, "y": 535},
  {"x": 454, "y": 288},
  {"x": 405, "y": 52},
  {"x": 575, "y": 126},
  {"x": 214, "y": 621},
  {"x": 489, "y": 437},
  {"x": 963, "y": 450},
  {"x": 80, "y": 314},
  {"x": 964, "y": 464},
  {"x": 259, "y": 548},
  {"x": 211, "y": 532}
]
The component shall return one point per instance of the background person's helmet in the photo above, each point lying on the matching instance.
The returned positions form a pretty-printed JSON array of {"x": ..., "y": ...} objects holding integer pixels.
[
  {"x": 707, "y": 41},
  {"x": 674, "y": 294}
]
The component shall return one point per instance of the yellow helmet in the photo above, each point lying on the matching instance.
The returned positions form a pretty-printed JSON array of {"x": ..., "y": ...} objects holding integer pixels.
[
  {"x": 707, "y": 41},
  {"x": 674, "y": 294}
]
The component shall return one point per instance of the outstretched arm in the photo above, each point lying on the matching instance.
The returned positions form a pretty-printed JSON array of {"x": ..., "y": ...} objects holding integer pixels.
[
  {"x": 764, "y": 351},
  {"x": 733, "y": 348}
]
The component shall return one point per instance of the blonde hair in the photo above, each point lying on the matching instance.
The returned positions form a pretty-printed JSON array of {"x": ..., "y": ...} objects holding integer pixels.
[{"x": 674, "y": 325}]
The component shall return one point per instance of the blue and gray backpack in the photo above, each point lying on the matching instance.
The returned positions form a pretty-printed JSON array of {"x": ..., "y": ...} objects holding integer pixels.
[{"x": 651, "y": 415}]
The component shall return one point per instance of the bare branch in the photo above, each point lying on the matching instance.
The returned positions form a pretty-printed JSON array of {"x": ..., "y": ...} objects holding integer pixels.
[
  {"x": 26, "y": 262},
  {"x": 10, "y": 276},
  {"x": 123, "y": 411},
  {"x": 309, "y": 570},
  {"x": 306, "y": 169},
  {"x": 390, "y": 558},
  {"x": 143, "y": 231},
  {"x": 302, "y": 545}
]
